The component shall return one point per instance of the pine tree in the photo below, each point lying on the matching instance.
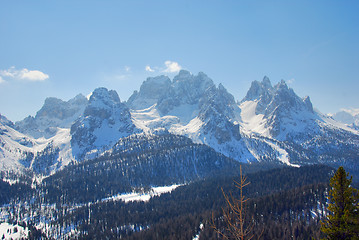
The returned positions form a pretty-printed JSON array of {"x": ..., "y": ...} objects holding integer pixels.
[{"x": 342, "y": 221}]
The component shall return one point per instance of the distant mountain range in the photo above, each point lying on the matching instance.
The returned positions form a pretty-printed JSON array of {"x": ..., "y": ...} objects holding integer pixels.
[
  {"x": 347, "y": 116},
  {"x": 271, "y": 124}
]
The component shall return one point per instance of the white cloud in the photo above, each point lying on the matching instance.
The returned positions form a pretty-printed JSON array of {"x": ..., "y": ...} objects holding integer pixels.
[
  {"x": 149, "y": 69},
  {"x": 33, "y": 75},
  {"x": 1, "y": 80},
  {"x": 172, "y": 67},
  {"x": 290, "y": 81},
  {"x": 11, "y": 72},
  {"x": 24, "y": 74},
  {"x": 127, "y": 68}
]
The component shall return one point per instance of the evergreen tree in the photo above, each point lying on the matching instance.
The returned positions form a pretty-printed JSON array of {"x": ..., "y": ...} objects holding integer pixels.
[{"x": 342, "y": 221}]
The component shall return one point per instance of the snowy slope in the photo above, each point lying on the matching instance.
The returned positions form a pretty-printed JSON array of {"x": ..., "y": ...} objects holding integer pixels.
[
  {"x": 252, "y": 123},
  {"x": 19, "y": 151},
  {"x": 14, "y": 147}
]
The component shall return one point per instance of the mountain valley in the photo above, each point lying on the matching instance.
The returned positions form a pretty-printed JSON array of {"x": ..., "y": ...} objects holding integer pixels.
[{"x": 58, "y": 167}]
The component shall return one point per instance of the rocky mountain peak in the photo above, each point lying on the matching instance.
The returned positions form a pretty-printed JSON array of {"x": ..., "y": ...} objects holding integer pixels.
[
  {"x": 260, "y": 91},
  {"x": 159, "y": 80},
  {"x": 308, "y": 103},
  {"x": 102, "y": 103},
  {"x": 105, "y": 120},
  {"x": 266, "y": 83},
  {"x": 104, "y": 96},
  {"x": 217, "y": 111},
  {"x": 151, "y": 90},
  {"x": 79, "y": 99},
  {"x": 54, "y": 114},
  {"x": 287, "y": 99},
  {"x": 273, "y": 124},
  {"x": 283, "y": 94},
  {"x": 5, "y": 121},
  {"x": 59, "y": 109},
  {"x": 183, "y": 75},
  {"x": 184, "y": 81},
  {"x": 153, "y": 87},
  {"x": 51, "y": 107},
  {"x": 185, "y": 88}
]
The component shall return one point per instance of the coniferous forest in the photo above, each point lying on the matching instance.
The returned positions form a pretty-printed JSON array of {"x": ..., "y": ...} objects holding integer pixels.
[{"x": 284, "y": 203}]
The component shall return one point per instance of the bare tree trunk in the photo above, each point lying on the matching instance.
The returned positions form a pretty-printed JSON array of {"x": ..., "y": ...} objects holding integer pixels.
[{"x": 235, "y": 214}]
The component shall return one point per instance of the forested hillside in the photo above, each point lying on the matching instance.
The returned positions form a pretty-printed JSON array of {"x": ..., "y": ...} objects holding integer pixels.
[{"x": 284, "y": 202}]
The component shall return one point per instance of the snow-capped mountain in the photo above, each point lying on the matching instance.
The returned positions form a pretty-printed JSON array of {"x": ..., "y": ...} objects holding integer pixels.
[
  {"x": 347, "y": 116},
  {"x": 277, "y": 111},
  {"x": 13, "y": 146},
  {"x": 64, "y": 132},
  {"x": 105, "y": 120},
  {"x": 271, "y": 123},
  {"x": 19, "y": 152},
  {"x": 53, "y": 115},
  {"x": 41, "y": 143},
  {"x": 6, "y": 122},
  {"x": 288, "y": 125},
  {"x": 193, "y": 106}
]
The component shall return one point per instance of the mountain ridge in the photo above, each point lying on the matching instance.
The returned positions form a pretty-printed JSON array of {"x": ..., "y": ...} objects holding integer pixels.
[{"x": 270, "y": 124}]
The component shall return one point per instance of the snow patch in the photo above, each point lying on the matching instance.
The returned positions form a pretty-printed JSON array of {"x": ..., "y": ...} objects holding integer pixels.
[
  {"x": 201, "y": 226},
  {"x": 283, "y": 155},
  {"x": 177, "y": 119},
  {"x": 142, "y": 197},
  {"x": 252, "y": 122},
  {"x": 9, "y": 231}
]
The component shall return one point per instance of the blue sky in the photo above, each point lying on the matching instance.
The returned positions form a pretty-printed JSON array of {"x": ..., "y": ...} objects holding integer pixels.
[{"x": 62, "y": 48}]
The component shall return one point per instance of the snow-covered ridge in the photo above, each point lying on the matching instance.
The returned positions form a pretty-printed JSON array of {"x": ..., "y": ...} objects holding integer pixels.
[
  {"x": 19, "y": 151},
  {"x": 189, "y": 105}
]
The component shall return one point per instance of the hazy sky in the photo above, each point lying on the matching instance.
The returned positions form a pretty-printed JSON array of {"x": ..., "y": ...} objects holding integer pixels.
[{"x": 62, "y": 48}]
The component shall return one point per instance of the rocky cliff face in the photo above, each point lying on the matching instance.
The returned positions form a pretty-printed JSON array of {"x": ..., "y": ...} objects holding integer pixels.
[
  {"x": 282, "y": 109},
  {"x": 262, "y": 93},
  {"x": 190, "y": 105},
  {"x": 218, "y": 111},
  {"x": 104, "y": 122},
  {"x": 185, "y": 89},
  {"x": 54, "y": 114},
  {"x": 150, "y": 92},
  {"x": 6, "y": 122},
  {"x": 282, "y": 123}
]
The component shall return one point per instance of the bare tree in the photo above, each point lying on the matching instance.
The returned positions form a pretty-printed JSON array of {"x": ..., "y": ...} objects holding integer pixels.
[{"x": 234, "y": 214}]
